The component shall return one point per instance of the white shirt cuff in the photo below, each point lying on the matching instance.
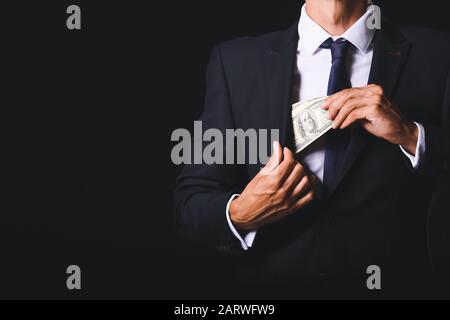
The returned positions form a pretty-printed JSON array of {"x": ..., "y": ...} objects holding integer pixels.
[
  {"x": 420, "y": 148},
  {"x": 247, "y": 240}
]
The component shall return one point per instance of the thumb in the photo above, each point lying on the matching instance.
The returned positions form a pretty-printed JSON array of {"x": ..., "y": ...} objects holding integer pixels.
[{"x": 276, "y": 157}]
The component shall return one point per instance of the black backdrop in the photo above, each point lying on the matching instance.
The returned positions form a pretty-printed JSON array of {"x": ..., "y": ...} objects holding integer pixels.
[{"x": 88, "y": 118}]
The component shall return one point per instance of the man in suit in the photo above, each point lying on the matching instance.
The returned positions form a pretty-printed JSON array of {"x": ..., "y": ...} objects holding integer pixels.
[{"x": 356, "y": 197}]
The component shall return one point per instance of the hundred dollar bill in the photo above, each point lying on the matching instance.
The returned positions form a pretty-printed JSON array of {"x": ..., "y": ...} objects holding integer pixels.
[{"x": 310, "y": 122}]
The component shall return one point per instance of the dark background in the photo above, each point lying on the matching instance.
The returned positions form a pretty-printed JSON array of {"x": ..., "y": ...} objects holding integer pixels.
[{"x": 88, "y": 116}]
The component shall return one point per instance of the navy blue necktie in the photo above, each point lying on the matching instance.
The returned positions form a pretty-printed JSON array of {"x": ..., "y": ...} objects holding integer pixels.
[{"x": 336, "y": 141}]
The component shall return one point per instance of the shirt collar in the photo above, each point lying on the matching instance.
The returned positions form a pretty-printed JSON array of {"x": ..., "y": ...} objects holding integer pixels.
[{"x": 312, "y": 35}]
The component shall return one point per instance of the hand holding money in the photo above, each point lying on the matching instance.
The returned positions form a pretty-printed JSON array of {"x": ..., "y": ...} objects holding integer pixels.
[
  {"x": 375, "y": 112},
  {"x": 366, "y": 105}
]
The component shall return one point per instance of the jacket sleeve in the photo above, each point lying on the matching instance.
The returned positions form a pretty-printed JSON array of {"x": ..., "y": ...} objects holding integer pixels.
[
  {"x": 203, "y": 190},
  {"x": 436, "y": 162}
]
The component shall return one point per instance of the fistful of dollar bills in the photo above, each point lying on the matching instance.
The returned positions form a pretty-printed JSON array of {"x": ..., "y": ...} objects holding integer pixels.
[{"x": 310, "y": 122}]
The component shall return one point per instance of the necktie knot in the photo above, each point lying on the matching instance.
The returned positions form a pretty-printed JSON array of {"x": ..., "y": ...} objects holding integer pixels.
[{"x": 339, "y": 47}]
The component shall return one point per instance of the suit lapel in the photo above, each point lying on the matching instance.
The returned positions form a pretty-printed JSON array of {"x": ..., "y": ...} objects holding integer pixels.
[
  {"x": 279, "y": 66},
  {"x": 390, "y": 52}
]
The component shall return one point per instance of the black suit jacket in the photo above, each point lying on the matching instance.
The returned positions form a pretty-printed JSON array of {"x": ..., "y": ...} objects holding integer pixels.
[{"x": 376, "y": 214}]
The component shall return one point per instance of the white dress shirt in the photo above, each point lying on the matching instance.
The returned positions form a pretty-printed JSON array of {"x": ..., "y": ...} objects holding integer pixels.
[{"x": 314, "y": 65}]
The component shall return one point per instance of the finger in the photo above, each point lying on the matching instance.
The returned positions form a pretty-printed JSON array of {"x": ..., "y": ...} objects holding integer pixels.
[
  {"x": 276, "y": 157},
  {"x": 301, "y": 188},
  {"x": 336, "y": 104},
  {"x": 332, "y": 98},
  {"x": 287, "y": 165},
  {"x": 288, "y": 154},
  {"x": 355, "y": 115},
  {"x": 294, "y": 178},
  {"x": 307, "y": 198},
  {"x": 277, "y": 154},
  {"x": 346, "y": 109}
]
